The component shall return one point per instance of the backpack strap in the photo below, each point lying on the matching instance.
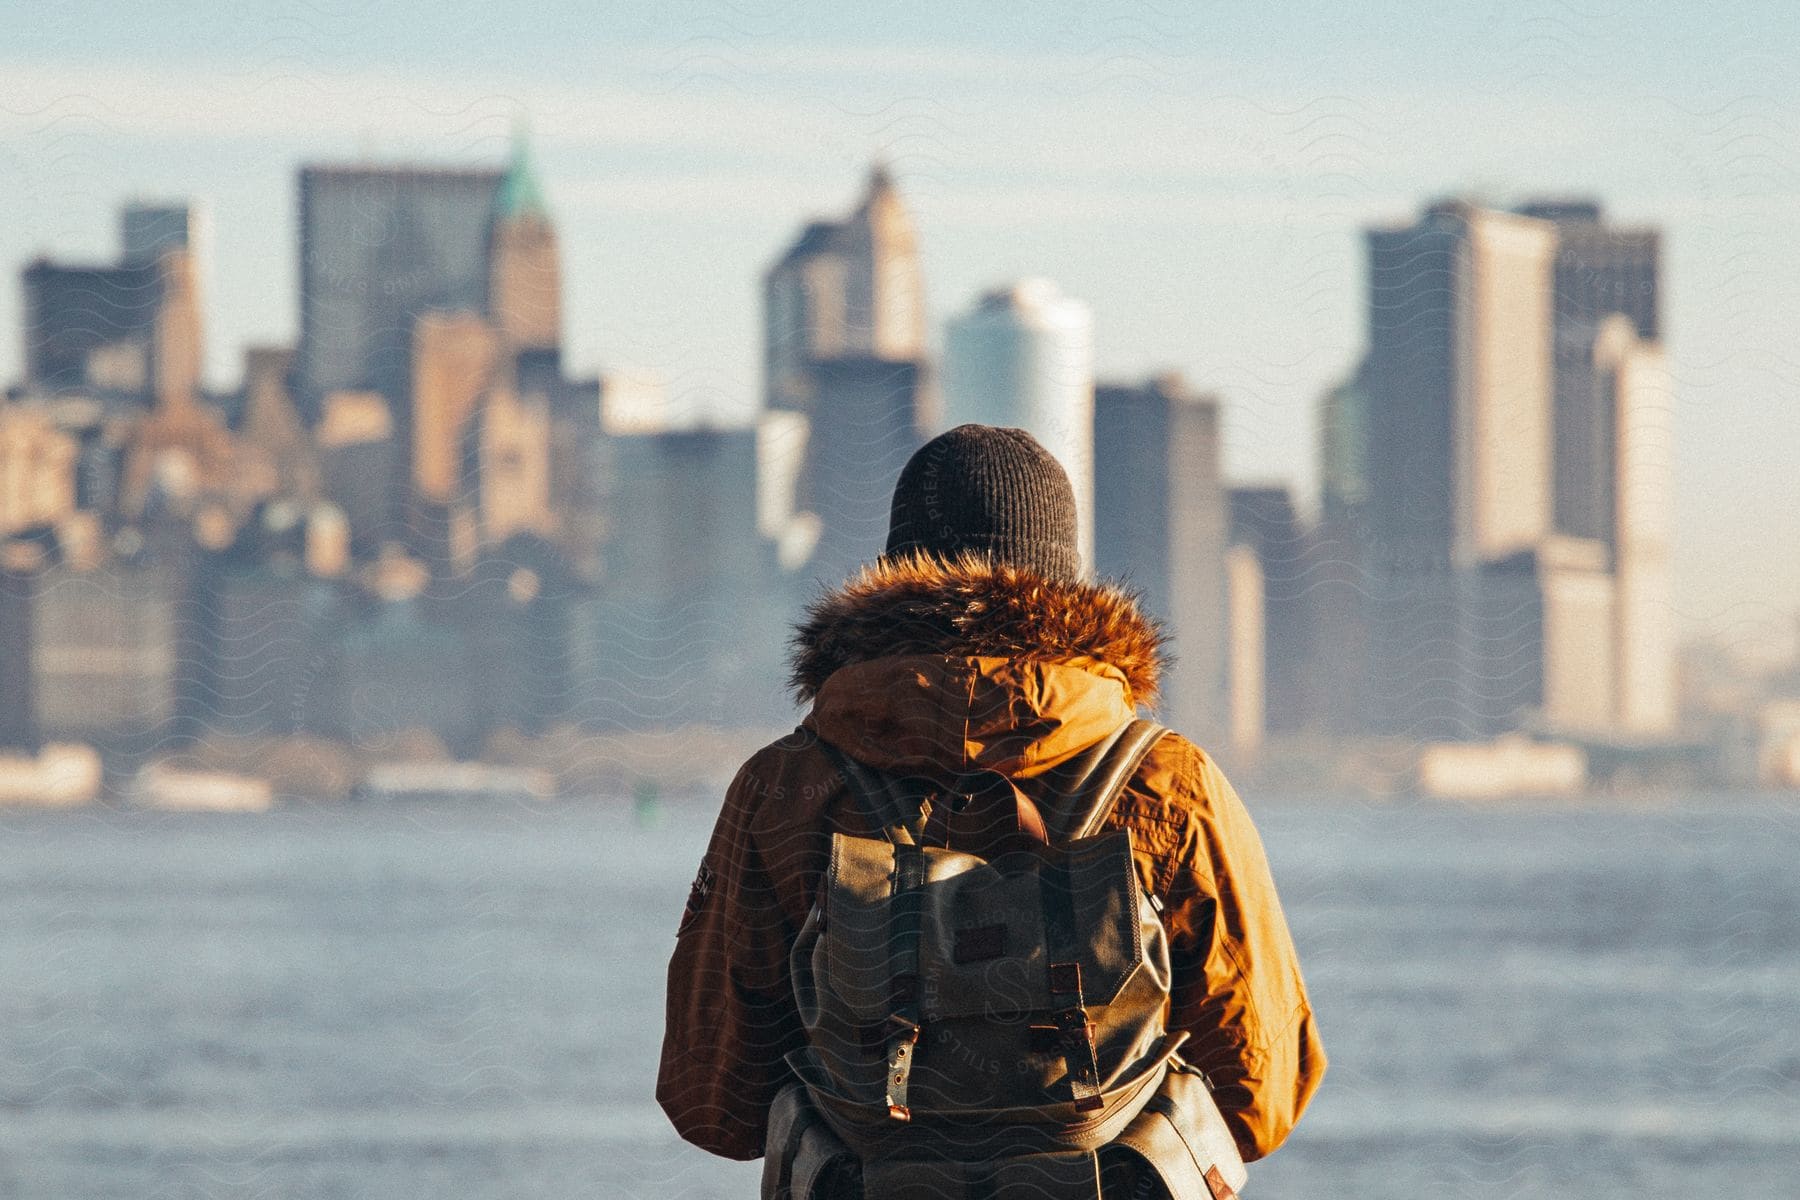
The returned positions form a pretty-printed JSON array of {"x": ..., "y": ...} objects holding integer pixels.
[
  {"x": 906, "y": 912},
  {"x": 1091, "y": 784},
  {"x": 891, "y": 807}
]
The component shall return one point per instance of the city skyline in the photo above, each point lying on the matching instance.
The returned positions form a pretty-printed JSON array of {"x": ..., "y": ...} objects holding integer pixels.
[{"x": 1217, "y": 233}]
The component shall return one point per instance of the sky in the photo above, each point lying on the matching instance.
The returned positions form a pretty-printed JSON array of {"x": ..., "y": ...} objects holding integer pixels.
[{"x": 1200, "y": 174}]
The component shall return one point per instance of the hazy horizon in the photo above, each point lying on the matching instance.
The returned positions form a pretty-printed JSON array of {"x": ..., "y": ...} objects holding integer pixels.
[{"x": 1201, "y": 180}]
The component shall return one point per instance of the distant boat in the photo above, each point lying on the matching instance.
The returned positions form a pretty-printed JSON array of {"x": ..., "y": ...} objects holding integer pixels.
[
  {"x": 170, "y": 789},
  {"x": 60, "y": 775},
  {"x": 455, "y": 781}
]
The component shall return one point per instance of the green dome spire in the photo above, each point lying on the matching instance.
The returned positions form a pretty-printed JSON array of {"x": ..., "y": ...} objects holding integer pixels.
[{"x": 519, "y": 194}]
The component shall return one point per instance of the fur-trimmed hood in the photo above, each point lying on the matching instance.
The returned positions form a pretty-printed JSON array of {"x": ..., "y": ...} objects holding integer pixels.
[{"x": 976, "y": 608}]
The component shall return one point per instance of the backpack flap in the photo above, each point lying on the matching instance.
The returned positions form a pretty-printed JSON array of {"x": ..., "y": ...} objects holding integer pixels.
[{"x": 987, "y": 928}]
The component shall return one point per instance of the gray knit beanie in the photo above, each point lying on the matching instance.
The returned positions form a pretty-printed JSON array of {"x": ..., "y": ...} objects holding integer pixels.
[{"x": 992, "y": 491}]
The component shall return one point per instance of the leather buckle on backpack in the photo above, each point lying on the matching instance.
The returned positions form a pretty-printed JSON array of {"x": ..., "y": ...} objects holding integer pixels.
[
  {"x": 902, "y": 1042},
  {"x": 1048, "y": 1039},
  {"x": 1076, "y": 1034}
]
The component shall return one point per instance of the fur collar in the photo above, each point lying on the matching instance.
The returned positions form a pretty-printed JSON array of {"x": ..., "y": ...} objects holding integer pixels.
[{"x": 974, "y": 607}]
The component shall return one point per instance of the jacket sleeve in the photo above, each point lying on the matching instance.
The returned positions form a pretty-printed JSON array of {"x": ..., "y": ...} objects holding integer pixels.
[
  {"x": 730, "y": 1013},
  {"x": 1237, "y": 985}
]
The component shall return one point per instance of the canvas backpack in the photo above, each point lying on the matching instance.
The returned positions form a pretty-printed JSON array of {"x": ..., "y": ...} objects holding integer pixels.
[{"x": 988, "y": 1020}]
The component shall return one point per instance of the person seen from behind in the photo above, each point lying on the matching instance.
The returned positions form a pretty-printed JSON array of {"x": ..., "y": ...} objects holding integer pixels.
[{"x": 976, "y": 928}]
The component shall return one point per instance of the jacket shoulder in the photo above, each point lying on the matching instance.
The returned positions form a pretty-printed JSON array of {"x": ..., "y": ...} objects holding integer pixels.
[
  {"x": 767, "y": 770},
  {"x": 785, "y": 785},
  {"x": 1182, "y": 775},
  {"x": 1167, "y": 804}
]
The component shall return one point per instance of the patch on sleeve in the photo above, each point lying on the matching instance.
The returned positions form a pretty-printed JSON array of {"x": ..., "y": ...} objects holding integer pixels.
[{"x": 697, "y": 894}]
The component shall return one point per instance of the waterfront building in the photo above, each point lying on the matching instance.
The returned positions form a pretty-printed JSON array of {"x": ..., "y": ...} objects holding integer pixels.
[
  {"x": 688, "y": 621},
  {"x": 130, "y": 330},
  {"x": 1633, "y": 382},
  {"x": 1601, "y": 269},
  {"x": 361, "y": 464},
  {"x": 1024, "y": 356},
  {"x": 106, "y": 649},
  {"x": 524, "y": 296},
  {"x": 843, "y": 289},
  {"x": 1161, "y": 526},
  {"x": 1459, "y": 381},
  {"x": 1517, "y": 518},
  {"x": 148, "y": 229},
  {"x": 507, "y": 467},
  {"x": 279, "y": 456},
  {"x": 260, "y": 627},
  {"x": 1247, "y": 641},
  {"x": 1266, "y": 525},
  {"x": 867, "y": 419},
  {"x": 379, "y": 246},
  {"x": 38, "y": 469}
]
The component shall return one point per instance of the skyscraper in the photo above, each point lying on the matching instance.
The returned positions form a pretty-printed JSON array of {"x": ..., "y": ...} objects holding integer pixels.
[
  {"x": 524, "y": 265},
  {"x": 276, "y": 445},
  {"x": 1266, "y": 523},
  {"x": 684, "y": 627},
  {"x": 507, "y": 461},
  {"x": 38, "y": 463},
  {"x": 19, "y": 565},
  {"x": 1518, "y": 492},
  {"x": 1338, "y": 560},
  {"x": 456, "y": 365},
  {"x": 378, "y": 247},
  {"x": 1024, "y": 356},
  {"x": 132, "y": 329},
  {"x": 432, "y": 288},
  {"x": 360, "y": 458},
  {"x": 844, "y": 351},
  {"x": 1344, "y": 449},
  {"x": 1160, "y": 524},
  {"x": 868, "y": 418},
  {"x": 1459, "y": 381},
  {"x": 843, "y": 289},
  {"x": 90, "y": 326},
  {"x": 1601, "y": 269},
  {"x": 455, "y": 358},
  {"x": 1633, "y": 383},
  {"x": 147, "y": 229}
]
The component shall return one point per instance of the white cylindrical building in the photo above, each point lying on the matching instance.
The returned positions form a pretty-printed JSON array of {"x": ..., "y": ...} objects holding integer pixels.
[{"x": 1024, "y": 356}]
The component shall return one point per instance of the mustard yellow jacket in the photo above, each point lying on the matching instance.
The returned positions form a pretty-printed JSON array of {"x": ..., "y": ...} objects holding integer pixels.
[{"x": 933, "y": 670}]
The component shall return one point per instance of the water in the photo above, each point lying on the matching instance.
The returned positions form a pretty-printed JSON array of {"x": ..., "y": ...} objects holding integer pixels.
[{"x": 466, "y": 1002}]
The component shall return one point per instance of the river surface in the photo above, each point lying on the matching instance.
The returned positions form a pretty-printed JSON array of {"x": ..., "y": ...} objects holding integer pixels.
[{"x": 1590, "y": 1002}]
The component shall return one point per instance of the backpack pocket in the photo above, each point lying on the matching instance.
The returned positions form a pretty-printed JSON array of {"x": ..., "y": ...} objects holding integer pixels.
[
  {"x": 1183, "y": 1138},
  {"x": 801, "y": 1155}
]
